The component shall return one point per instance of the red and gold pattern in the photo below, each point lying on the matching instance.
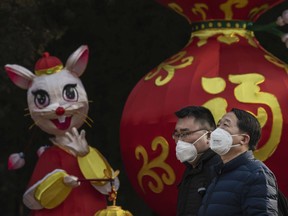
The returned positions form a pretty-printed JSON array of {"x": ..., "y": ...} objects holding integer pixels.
[
  {"x": 221, "y": 67},
  {"x": 200, "y": 10}
]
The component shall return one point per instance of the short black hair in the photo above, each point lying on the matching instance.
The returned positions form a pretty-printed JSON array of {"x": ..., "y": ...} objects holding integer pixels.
[
  {"x": 200, "y": 113},
  {"x": 249, "y": 124}
]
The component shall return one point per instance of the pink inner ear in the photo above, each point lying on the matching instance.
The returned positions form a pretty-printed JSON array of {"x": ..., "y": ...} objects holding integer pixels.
[
  {"x": 81, "y": 64},
  {"x": 85, "y": 56},
  {"x": 78, "y": 60},
  {"x": 11, "y": 75},
  {"x": 18, "y": 80}
]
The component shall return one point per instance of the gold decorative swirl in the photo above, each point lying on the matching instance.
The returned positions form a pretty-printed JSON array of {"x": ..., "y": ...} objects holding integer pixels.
[
  {"x": 255, "y": 11},
  {"x": 227, "y": 7},
  {"x": 169, "y": 68},
  {"x": 276, "y": 62},
  {"x": 178, "y": 10},
  {"x": 228, "y": 36},
  {"x": 168, "y": 177},
  {"x": 199, "y": 8}
]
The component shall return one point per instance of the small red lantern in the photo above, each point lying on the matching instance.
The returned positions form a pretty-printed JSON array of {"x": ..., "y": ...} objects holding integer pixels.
[{"x": 221, "y": 67}]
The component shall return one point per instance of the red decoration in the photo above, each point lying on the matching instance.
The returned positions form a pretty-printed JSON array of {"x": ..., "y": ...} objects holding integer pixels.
[
  {"x": 221, "y": 67},
  {"x": 16, "y": 161},
  {"x": 47, "y": 65},
  {"x": 60, "y": 111}
]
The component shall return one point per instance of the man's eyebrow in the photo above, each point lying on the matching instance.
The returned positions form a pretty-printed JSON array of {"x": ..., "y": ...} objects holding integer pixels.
[
  {"x": 182, "y": 129},
  {"x": 227, "y": 120},
  {"x": 219, "y": 121},
  {"x": 224, "y": 120}
]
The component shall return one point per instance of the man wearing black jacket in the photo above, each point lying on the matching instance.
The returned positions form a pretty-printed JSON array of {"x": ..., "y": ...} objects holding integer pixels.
[{"x": 191, "y": 136}]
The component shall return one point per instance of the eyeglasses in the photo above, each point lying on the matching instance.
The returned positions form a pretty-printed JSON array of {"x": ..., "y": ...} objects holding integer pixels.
[{"x": 185, "y": 134}]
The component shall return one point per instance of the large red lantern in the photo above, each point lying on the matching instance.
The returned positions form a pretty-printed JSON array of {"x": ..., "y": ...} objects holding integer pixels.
[{"x": 221, "y": 67}]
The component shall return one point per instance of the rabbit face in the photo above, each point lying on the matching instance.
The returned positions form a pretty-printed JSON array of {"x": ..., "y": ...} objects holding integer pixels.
[{"x": 57, "y": 102}]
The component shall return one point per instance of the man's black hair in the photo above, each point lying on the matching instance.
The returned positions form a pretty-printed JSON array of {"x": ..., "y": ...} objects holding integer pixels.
[
  {"x": 249, "y": 124},
  {"x": 201, "y": 114}
]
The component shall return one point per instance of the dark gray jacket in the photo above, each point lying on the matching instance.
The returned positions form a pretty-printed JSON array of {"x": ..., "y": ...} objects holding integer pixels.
[{"x": 243, "y": 186}]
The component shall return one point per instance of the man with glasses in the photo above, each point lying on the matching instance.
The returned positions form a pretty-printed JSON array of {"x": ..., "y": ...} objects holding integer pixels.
[
  {"x": 191, "y": 135},
  {"x": 244, "y": 185}
]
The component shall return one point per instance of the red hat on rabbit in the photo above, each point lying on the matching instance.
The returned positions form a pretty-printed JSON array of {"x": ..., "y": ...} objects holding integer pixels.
[{"x": 47, "y": 65}]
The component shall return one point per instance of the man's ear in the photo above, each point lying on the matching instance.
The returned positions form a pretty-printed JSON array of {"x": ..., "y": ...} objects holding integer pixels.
[
  {"x": 208, "y": 137},
  {"x": 245, "y": 139}
]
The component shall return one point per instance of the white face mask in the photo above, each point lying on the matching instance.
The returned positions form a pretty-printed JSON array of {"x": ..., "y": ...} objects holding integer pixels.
[
  {"x": 221, "y": 141},
  {"x": 186, "y": 151}
]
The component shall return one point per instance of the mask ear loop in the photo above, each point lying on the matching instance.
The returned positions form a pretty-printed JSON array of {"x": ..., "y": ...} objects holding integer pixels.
[
  {"x": 239, "y": 144},
  {"x": 246, "y": 137},
  {"x": 200, "y": 138},
  {"x": 198, "y": 154}
]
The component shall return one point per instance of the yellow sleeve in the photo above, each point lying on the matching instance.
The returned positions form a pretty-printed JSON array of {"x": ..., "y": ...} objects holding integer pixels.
[
  {"x": 93, "y": 165},
  {"x": 52, "y": 191}
]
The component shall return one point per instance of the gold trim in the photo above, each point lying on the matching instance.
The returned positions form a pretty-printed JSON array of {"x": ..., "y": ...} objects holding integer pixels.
[
  {"x": 159, "y": 163},
  {"x": 49, "y": 71},
  {"x": 170, "y": 66},
  {"x": 276, "y": 62},
  {"x": 178, "y": 10},
  {"x": 227, "y": 7},
  {"x": 199, "y": 9},
  {"x": 227, "y": 36}
]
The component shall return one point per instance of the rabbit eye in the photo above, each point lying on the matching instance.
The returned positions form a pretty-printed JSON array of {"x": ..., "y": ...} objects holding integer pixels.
[
  {"x": 70, "y": 93},
  {"x": 41, "y": 98}
]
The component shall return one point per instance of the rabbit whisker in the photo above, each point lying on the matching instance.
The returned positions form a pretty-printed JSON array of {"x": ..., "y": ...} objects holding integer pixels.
[
  {"x": 27, "y": 114},
  {"x": 86, "y": 116}
]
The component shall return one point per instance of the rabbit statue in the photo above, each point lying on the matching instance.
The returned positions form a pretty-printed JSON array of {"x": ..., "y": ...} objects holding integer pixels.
[{"x": 58, "y": 105}]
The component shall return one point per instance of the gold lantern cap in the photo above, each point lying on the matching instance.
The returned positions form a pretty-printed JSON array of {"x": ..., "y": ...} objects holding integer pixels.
[{"x": 113, "y": 211}]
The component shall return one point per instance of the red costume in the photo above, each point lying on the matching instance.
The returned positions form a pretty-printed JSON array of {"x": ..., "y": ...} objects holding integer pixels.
[{"x": 83, "y": 200}]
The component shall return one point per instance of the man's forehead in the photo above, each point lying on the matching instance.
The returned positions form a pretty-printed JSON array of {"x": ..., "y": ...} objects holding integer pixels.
[
  {"x": 229, "y": 117},
  {"x": 187, "y": 119},
  {"x": 187, "y": 123}
]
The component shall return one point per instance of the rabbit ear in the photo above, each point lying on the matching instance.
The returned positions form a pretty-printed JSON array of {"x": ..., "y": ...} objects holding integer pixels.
[
  {"x": 20, "y": 76},
  {"x": 78, "y": 60}
]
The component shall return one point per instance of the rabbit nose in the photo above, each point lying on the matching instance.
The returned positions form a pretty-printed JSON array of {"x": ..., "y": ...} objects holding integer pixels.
[{"x": 60, "y": 111}]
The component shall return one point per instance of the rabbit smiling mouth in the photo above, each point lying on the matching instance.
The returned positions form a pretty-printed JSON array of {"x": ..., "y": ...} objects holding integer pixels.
[{"x": 62, "y": 123}]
